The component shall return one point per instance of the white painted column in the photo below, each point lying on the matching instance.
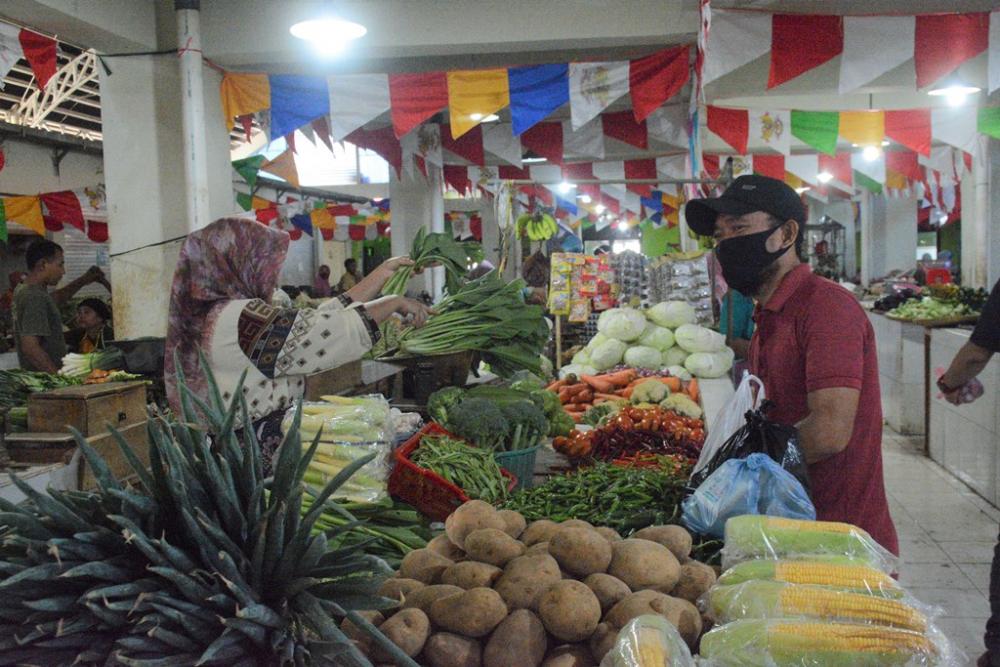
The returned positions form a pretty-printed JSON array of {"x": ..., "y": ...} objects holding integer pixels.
[
  {"x": 491, "y": 231},
  {"x": 865, "y": 203},
  {"x": 416, "y": 203},
  {"x": 193, "y": 112}
]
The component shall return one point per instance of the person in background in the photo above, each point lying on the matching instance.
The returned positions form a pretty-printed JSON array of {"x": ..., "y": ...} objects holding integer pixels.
[
  {"x": 93, "y": 322},
  {"x": 38, "y": 329},
  {"x": 16, "y": 279},
  {"x": 957, "y": 386},
  {"x": 481, "y": 270},
  {"x": 350, "y": 277},
  {"x": 321, "y": 286},
  {"x": 813, "y": 348},
  {"x": 219, "y": 306},
  {"x": 742, "y": 319}
]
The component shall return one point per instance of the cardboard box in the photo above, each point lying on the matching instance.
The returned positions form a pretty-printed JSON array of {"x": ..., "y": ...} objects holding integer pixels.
[
  {"x": 334, "y": 381},
  {"x": 89, "y": 408}
]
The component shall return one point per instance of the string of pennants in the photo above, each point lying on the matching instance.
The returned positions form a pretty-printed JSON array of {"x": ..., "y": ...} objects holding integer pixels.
[
  {"x": 53, "y": 211},
  {"x": 39, "y": 50}
]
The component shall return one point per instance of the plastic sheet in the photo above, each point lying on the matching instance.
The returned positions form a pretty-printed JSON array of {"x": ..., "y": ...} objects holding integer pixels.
[
  {"x": 796, "y": 643},
  {"x": 750, "y": 537},
  {"x": 850, "y": 574},
  {"x": 649, "y": 641},
  {"x": 748, "y": 396}
]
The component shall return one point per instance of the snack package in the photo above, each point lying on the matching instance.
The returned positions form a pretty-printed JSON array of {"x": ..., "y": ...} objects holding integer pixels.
[
  {"x": 649, "y": 641},
  {"x": 559, "y": 303},
  {"x": 579, "y": 310}
]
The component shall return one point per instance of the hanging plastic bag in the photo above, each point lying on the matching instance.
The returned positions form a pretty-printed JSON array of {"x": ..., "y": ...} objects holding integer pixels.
[
  {"x": 754, "y": 485},
  {"x": 758, "y": 435},
  {"x": 649, "y": 641},
  {"x": 748, "y": 397}
]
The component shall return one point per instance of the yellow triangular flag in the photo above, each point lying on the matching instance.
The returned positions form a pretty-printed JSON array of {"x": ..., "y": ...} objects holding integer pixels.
[
  {"x": 243, "y": 94},
  {"x": 864, "y": 128},
  {"x": 26, "y": 211},
  {"x": 283, "y": 166},
  {"x": 474, "y": 95}
]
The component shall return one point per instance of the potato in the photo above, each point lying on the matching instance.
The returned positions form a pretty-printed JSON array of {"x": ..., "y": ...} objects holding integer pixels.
[
  {"x": 637, "y": 604},
  {"x": 538, "y": 531},
  {"x": 610, "y": 534},
  {"x": 569, "y": 610},
  {"x": 408, "y": 630},
  {"x": 675, "y": 538},
  {"x": 442, "y": 545},
  {"x": 472, "y": 613},
  {"x": 519, "y": 640},
  {"x": 602, "y": 641},
  {"x": 514, "y": 523},
  {"x": 423, "y": 565},
  {"x": 696, "y": 578},
  {"x": 423, "y": 598},
  {"x": 443, "y": 649},
  {"x": 525, "y": 579},
  {"x": 489, "y": 545},
  {"x": 609, "y": 590},
  {"x": 642, "y": 564},
  {"x": 471, "y": 516},
  {"x": 359, "y": 636},
  {"x": 576, "y": 523},
  {"x": 538, "y": 548},
  {"x": 570, "y": 655},
  {"x": 580, "y": 551},
  {"x": 396, "y": 588},
  {"x": 470, "y": 574},
  {"x": 689, "y": 623}
]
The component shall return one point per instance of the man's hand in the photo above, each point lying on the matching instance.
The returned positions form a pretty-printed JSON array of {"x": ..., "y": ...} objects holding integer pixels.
[
  {"x": 827, "y": 430},
  {"x": 415, "y": 310},
  {"x": 94, "y": 275}
]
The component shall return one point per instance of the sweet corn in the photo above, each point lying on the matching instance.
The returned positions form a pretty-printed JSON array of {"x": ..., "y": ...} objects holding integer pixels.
[
  {"x": 822, "y": 637},
  {"x": 651, "y": 651},
  {"x": 821, "y": 603},
  {"x": 833, "y": 571}
]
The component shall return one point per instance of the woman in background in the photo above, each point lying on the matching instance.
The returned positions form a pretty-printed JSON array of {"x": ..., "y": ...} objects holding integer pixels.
[{"x": 93, "y": 327}]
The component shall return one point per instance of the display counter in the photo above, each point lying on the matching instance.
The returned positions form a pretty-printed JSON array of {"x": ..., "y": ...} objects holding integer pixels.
[
  {"x": 965, "y": 439},
  {"x": 901, "y": 370}
]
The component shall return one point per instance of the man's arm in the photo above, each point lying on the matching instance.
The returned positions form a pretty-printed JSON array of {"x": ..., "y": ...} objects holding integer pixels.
[
  {"x": 741, "y": 346},
  {"x": 31, "y": 347},
  {"x": 827, "y": 430},
  {"x": 967, "y": 364},
  {"x": 65, "y": 293},
  {"x": 371, "y": 285}
]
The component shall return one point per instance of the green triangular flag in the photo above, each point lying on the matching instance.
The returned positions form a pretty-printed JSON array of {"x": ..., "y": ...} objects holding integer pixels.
[
  {"x": 244, "y": 200},
  {"x": 819, "y": 129},
  {"x": 3, "y": 222},
  {"x": 248, "y": 168},
  {"x": 358, "y": 220},
  {"x": 988, "y": 121},
  {"x": 867, "y": 183}
]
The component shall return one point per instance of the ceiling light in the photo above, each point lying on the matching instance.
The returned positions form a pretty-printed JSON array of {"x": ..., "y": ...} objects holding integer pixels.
[
  {"x": 599, "y": 209},
  {"x": 565, "y": 187},
  {"x": 824, "y": 177},
  {"x": 533, "y": 160},
  {"x": 476, "y": 116},
  {"x": 491, "y": 118},
  {"x": 804, "y": 188},
  {"x": 622, "y": 224},
  {"x": 328, "y": 35},
  {"x": 885, "y": 142},
  {"x": 585, "y": 199},
  {"x": 954, "y": 93},
  {"x": 871, "y": 153}
]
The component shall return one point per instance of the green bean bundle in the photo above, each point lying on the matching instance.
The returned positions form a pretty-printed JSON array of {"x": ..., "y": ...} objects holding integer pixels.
[{"x": 471, "y": 469}]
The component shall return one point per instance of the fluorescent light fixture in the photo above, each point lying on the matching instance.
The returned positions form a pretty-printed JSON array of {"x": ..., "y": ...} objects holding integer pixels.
[
  {"x": 491, "y": 118},
  {"x": 871, "y": 153},
  {"x": 954, "y": 93},
  {"x": 328, "y": 35},
  {"x": 565, "y": 187},
  {"x": 804, "y": 188},
  {"x": 622, "y": 224},
  {"x": 476, "y": 116},
  {"x": 534, "y": 160},
  {"x": 585, "y": 199},
  {"x": 885, "y": 142},
  {"x": 824, "y": 177},
  {"x": 599, "y": 209}
]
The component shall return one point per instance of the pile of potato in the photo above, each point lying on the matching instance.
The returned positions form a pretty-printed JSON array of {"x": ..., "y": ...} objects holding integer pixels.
[{"x": 495, "y": 592}]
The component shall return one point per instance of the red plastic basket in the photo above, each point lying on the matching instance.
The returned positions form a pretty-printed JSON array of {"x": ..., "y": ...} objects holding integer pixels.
[{"x": 431, "y": 494}]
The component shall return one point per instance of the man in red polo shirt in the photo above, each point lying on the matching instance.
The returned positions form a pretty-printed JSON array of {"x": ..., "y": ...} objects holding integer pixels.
[{"x": 813, "y": 348}]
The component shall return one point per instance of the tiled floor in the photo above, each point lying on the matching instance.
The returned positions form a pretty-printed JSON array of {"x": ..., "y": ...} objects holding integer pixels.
[{"x": 946, "y": 535}]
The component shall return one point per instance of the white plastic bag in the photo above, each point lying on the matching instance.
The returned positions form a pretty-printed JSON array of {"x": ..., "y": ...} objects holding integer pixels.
[
  {"x": 732, "y": 417},
  {"x": 649, "y": 641}
]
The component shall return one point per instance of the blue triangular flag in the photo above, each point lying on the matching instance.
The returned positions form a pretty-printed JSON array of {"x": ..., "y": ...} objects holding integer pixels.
[
  {"x": 303, "y": 222},
  {"x": 535, "y": 92},
  {"x": 296, "y": 101}
]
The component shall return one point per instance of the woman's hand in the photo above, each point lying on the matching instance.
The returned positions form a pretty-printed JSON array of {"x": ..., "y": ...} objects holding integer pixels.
[
  {"x": 394, "y": 263},
  {"x": 416, "y": 311}
]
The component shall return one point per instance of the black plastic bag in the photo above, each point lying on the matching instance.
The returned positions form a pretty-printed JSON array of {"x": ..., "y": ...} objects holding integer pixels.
[{"x": 759, "y": 435}]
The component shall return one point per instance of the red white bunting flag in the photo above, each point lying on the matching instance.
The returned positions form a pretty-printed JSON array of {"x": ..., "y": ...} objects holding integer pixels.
[
  {"x": 356, "y": 99},
  {"x": 10, "y": 48},
  {"x": 792, "y": 53},
  {"x": 545, "y": 140},
  {"x": 770, "y": 165},
  {"x": 640, "y": 169},
  {"x": 623, "y": 127},
  {"x": 945, "y": 41},
  {"x": 873, "y": 45},
  {"x": 415, "y": 97},
  {"x": 593, "y": 87},
  {"x": 839, "y": 166},
  {"x": 40, "y": 52},
  {"x": 499, "y": 140},
  {"x": 735, "y": 39},
  {"x": 468, "y": 146},
  {"x": 656, "y": 78},
  {"x": 911, "y": 128},
  {"x": 669, "y": 125},
  {"x": 586, "y": 141},
  {"x": 731, "y": 125},
  {"x": 994, "y": 56}
]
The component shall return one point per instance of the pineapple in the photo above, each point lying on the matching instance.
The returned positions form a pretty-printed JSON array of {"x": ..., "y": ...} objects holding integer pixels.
[{"x": 203, "y": 562}]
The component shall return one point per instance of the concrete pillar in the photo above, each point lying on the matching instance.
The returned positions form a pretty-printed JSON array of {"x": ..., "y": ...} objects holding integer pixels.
[
  {"x": 415, "y": 203},
  {"x": 900, "y": 240},
  {"x": 867, "y": 245},
  {"x": 193, "y": 111},
  {"x": 491, "y": 231},
  {"x": 144, "y": 175}
]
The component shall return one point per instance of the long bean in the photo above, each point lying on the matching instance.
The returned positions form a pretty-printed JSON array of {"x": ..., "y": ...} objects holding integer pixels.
[{"x": 471, "y": 469}]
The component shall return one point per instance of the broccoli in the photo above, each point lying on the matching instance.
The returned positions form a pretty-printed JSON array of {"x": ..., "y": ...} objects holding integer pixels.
[
  {"x": 527, "y": 424},
  {"x": 682, "y": 405},
  {"x": 480, "y": 421},
  {"x": 550, "y": 402},
  {"x": 441, "y": 402},
  {"x": 561, "y": 424},
  {"x": 597, "y": 415}
]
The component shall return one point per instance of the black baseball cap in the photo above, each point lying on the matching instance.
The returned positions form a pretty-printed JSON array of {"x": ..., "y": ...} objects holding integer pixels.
[{"x": 746, "y": 194}]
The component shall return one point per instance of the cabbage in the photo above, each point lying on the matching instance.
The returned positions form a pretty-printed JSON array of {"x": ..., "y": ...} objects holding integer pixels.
[
  {"x": 582, "y": 358},
  {"x": 577, "y": 370},
  {"x": 679, "y": 372},
  {"x": 545, "y": 364},
  {"x": 624, "y": 324},
  {"x": 641, "y": 356},
  {"x": 607, "y": 354},
  {"x": 709, "y": 364},
  {"x": 694, "y": 338},
  {"x": 596, "y": 340},
  {"x": 674, "y": 356},
  {"x": 672, "y": 314},
  {"x": 656, "y": 336}
]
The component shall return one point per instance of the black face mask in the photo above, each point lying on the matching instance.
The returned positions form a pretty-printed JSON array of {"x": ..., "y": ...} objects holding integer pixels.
[{"x": 745, "y": 260}]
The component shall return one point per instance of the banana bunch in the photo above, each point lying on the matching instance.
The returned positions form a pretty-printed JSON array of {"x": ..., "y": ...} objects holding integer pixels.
[{"x": 537, "y": 226}]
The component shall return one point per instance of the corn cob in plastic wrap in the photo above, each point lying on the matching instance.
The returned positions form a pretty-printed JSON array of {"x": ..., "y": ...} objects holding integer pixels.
[
  {"x": 649, "y": 641},
  {"x": 753, "y": 537},
  {"x": 841, "y": 572}
]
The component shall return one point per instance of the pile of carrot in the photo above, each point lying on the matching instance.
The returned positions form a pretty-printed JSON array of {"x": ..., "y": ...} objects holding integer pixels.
[{"x": 579, "y": 394}]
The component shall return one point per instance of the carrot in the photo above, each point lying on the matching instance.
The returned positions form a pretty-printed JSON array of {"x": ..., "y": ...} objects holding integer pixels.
[
  {"x": 564, "y": 395},
  {"x": 606, "y": 397},
  {"x": 585, "y": 396},
  {"x": 557, "y": 385},
  {"x": 626, "y": 392},
  {"x": 599, "y": 383},
  {"x": 693, "y": 390},
  {"x": 621, "y": 378},
  {"x": 673, "y": 384}
]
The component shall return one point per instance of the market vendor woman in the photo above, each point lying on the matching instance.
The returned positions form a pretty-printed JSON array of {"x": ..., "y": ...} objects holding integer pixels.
[{"x": 219, "y": 304}]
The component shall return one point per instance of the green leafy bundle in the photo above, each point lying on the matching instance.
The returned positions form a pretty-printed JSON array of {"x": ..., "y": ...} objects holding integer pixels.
[
  {"x": 17, "y": 385},
  {"x": 436, "y": 248},
  {"x": 203, "y": 562}
]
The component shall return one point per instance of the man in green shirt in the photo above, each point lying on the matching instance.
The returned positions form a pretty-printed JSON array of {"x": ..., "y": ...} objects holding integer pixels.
[
  {"x": 38, "y": 327},
  {"x": 739, "y": 337}
]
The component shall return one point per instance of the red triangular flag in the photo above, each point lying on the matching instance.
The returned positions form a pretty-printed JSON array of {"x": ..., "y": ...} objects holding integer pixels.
[
  {"x": 327, "y": 234},
  {"x": 838, "y": 165},
  {"x": 336, "y": 210},
  {"x": 457, "y": 177},
  {"x": 40, "y": 52},
  {"x": 416, "y": 97},
  {"x": 800, "y": 42},
  {"x": 770, "y": 165},
  {"x": 508, "y": 172},
  {"x": 476, "y": 227},
  {"x": 582, "y": 171},
  {"x": 942, "y": 42},
  {"x": 266, "y": 215},
  {"x": 656, "y": 78},
  {"x": 382, "y": 141},
  {"x": 294, "y": 233},
  {"x": 97, "y": 231},
  {"x": 290, "y": 140},
  {"x": 967, "y": 159},
  {"x": 546, "y": 140},
  {"x": 468, "y": 146},
  {"x": 905, "y": 163},
  {"x": 911, "y": 128},
  {"x": 421, "y": 164},
  {"x": 710, "y": 164},
  {"x": 623, "y": 127},
  {"x": 732, "y": 126},
  {"x": 321, "y": 126},
  {"x": 63, "y": 207},
  {"x": 611, "y": 204},
  {"x": 246, "y": 121},
  {"x": 640, "y": 169},
  {"x": 356, "y": 232},
  {"x": 51, "y": 224}
]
